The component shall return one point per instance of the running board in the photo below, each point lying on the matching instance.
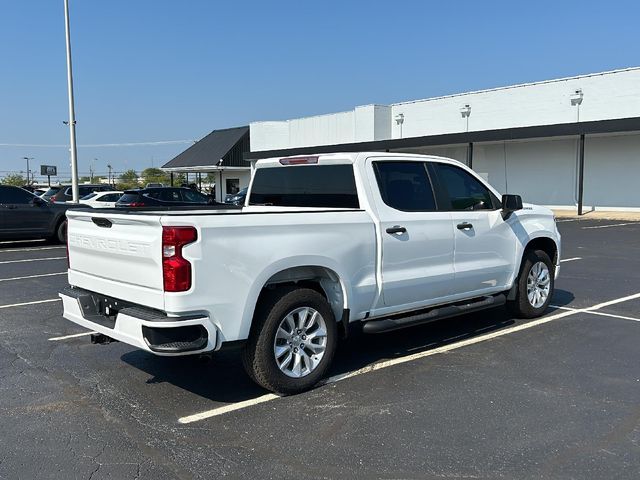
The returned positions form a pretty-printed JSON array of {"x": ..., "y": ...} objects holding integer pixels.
[{"x": 410, "y": 319}]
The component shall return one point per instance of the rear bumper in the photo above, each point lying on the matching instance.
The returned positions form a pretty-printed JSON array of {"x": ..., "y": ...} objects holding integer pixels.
[{"x": 144, "y": 328}]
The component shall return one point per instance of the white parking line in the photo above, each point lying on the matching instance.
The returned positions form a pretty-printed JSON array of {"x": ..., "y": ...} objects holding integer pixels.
[
  {"x": 409, "y": 358},
  {"x": 29, "y": 249},
  {"x": 31, "y": 303},
  {"x": 32, "y": 276},
  {"x": 609, "y": 226},
  {"x": 32, "y": 260},
  {"x": 622, "y": 317},
  {"x": 377, "y": 366},
  {"x": 83, "y": 334},
  {"x": 8, "y": 242},
  {"x": 570, "y": 259}
]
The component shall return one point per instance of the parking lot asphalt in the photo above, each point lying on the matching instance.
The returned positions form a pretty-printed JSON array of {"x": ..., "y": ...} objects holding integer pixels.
[{"x": 479, "y": 396}]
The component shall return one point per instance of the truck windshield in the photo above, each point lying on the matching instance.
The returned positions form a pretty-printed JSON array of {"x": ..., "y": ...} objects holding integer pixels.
[{"x": 325, "y": 186}]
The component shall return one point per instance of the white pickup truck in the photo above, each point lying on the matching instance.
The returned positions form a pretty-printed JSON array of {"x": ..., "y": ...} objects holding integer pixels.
[{"x": 386, "y": 240}]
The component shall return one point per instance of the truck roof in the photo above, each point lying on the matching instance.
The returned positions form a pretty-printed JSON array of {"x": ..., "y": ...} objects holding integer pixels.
[{"x": 346, "y": 157}]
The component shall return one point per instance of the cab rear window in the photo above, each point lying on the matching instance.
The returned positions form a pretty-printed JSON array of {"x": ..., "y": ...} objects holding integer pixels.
[{"x": 324, "y": 186}]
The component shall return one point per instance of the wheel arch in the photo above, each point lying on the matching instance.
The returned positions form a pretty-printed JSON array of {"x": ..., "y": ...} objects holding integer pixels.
[
  {"x": 541, "y": 242},
  {"x": 319, "y": 274}
]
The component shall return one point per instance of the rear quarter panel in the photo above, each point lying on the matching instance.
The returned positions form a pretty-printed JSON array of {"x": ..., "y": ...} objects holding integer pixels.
[{"x": 237, "y": 254}]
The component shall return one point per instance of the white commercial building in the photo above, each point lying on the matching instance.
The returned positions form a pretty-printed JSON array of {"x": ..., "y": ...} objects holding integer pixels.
[{"x": 545, "y": 140}]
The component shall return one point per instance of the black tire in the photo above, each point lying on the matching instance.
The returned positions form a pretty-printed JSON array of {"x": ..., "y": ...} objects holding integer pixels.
[
  {"x": 60, "y": 235},
  {"x": 258, "y": 355},
  {"x": 521, "y": 306}
]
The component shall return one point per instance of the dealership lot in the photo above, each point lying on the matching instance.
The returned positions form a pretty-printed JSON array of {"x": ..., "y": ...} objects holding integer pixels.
[{"x": 481, "y": 396}]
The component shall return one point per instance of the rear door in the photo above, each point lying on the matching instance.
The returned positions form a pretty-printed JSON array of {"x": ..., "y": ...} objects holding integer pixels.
[
  {"x": 21, "y": 215},
  {"x": 416, "y": 238},
  {"x": 485, "y": 245}
]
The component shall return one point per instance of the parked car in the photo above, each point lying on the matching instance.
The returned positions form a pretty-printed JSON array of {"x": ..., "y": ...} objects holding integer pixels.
[
  {"x": 386, "y": 240},
  {"x": 106, "y": 199},
  {"x": 24, "y": 216},
  {"x": 65, "y": 193},
  {"x": 51, "y": 191},
  {"x": 237, "y": 198},
  {"x": 163, "y": 196},
  {"x": 155, "y": 185}
]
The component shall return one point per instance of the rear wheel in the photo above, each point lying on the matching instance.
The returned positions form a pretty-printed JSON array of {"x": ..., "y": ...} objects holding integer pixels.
[
  {"x": 60, "y": 234},
  {"x": 535, "y": 285},
  {"x": 292, "y": 342}
]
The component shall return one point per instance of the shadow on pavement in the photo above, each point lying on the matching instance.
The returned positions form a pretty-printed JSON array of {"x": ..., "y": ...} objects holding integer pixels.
[{"x": 223, "y": 378}]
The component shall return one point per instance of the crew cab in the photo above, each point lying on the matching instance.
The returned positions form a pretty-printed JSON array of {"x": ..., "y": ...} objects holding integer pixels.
[{"x": 323, "y": 241}]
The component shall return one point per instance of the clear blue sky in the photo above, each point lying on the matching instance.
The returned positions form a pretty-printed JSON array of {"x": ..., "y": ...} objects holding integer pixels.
[{"x": 154, "y": 70}]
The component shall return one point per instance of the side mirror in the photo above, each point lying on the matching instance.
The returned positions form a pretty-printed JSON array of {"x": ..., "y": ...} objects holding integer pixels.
[
  {"x": 38, "y": 202},
  {"x": 511, "y": 203}
]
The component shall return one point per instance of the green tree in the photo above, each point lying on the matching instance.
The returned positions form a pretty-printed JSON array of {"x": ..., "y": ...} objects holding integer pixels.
[
  {"x": 154, "y": 175},
  {"x": 14, "y": 179},
  {"x": 128, "y": 180}
]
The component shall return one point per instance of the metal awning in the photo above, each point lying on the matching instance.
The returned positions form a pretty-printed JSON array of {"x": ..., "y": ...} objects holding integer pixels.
[{"x": 220, "y": 149}]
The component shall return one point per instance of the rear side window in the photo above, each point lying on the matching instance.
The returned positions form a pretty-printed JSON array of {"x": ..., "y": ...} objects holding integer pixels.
[
  {"x": 405, "y": 186},
  {"x": 324, "y": 186},
  {"x": 89, "y": 197},
  {"x": 15, "y": 195},
  {"x": 195, "y": 197},
  {"x": 464, "y": 191},
  {"x": 129, "y": 198}
]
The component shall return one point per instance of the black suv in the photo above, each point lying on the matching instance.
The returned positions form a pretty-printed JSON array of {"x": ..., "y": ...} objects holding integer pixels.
[
  {"x": 24, "y": 215},
  {"x": 65, "y": 194},
  {"x": 163, "y": 196}
]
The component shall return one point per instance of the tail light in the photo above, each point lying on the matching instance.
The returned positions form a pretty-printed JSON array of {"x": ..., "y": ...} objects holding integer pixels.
[
  {"x": 134, "y": 204},
  {"x": 176, "y": 271}
]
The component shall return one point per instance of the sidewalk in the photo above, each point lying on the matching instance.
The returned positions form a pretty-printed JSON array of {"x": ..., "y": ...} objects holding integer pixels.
[{"x": 598, "y": 215}]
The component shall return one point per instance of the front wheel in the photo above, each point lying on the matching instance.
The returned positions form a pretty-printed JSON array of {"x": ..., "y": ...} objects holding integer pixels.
[
  {"x": 535, "y": 285},
  {"x": 292, "y": 341}
]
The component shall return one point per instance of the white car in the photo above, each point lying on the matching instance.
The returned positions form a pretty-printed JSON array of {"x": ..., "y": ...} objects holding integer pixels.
[
  {"x": 382, "y": 239},
  {"x": 102, "y": 199}
]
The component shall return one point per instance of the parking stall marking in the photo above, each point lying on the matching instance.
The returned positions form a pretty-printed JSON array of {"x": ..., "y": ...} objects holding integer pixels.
[
  {"x": 609, "y": 226},
  {"x": 11, "y": 250},
  {"x": 30, "y": 303},
  {"x": 570, "y": 259},
  {"x": 75, "y": 335},
  {"x": 409, "y": 358},
  {"x": 595, "y": 312},
  {"x": 32, "y": 260},
  {"x": 32, "y": 276}
]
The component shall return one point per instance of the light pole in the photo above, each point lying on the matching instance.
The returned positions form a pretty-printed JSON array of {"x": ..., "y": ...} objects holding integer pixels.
[
  {"x": 72, "y": 113},
  {"x": 27, "y": 159},
  {"x": 109, "y": 167}
]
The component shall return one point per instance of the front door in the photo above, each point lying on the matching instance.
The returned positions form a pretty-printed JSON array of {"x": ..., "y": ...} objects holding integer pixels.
[
  {"x": 485, "y": 245},
  {"x": 417, "y": 240}
]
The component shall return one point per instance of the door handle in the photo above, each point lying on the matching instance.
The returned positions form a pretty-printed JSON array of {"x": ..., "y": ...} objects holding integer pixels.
[
  {"x": 396, "y": 229},
  {"x": 465, "y": 226}
]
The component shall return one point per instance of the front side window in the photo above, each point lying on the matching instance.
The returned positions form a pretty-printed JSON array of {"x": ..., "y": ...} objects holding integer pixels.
[
  {"x": 464, "y": 191},
  {"x": 405, "y": 186},
  {"x": 324, "y": 186}
]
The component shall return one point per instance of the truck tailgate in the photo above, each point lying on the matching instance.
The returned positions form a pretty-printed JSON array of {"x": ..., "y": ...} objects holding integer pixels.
[{"x": 117, "y": 255}]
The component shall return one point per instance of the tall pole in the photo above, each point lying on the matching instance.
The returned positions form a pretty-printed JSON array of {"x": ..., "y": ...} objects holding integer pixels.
[
  {"x": 580, "y": 174},
  {"x": 72, "y": 113},
  {"x": 28, "y": 170}
]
